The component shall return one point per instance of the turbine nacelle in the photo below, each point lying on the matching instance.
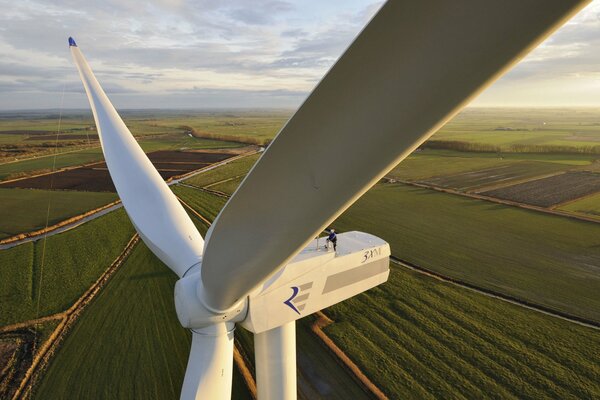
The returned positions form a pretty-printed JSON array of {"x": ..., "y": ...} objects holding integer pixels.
[{"x": 315, "y": 279}]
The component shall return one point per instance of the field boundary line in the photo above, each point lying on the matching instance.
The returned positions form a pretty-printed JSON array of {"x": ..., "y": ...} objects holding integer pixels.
[
  {"x": 71, "y": 315},
  {"x": 500, "y": 201},
  {"x": 364, "y": 382},
  {"x": 497, "y": 295}
]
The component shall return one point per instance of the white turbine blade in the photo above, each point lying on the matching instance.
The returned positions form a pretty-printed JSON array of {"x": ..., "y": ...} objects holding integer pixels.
[
  {"x": 210, "y": 366},
  {"x": 414, "y": 66},
  {"x": 153, "y": 209}
]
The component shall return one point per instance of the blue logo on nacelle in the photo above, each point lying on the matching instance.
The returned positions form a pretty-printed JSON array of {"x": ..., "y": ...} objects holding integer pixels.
[{"x": 288, "y": 302}]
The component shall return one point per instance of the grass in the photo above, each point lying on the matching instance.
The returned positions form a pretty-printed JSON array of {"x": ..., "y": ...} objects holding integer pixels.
[
  {"x": 228, "y": 186},
  {"x": 45, "y": 162},
  {"x": 24, "y": 210},
  {"x": 128, "y": 343},
  {"x": 247, "y": 127},
  {"x": 587, "y": 205},
  {"x": 235, "y": 168},
  {"x": 536, "y": 129},
  {"x": 205, "y": 204},
  {"x": 72, "y": 262},
  {"x": 418, "y": 338},
  {"x": 545, "y": 259}
]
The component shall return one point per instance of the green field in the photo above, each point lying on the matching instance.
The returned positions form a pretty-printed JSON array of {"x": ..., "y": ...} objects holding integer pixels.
[
  {"x": 545, "y": 259},
  {"x": 418, "y": 338},
  {"x": 576, "y": 128},
  {"x": 15, "y": 169},
  {"x": 588, "y": 205},
  {"x": 15, "y": 218},
  {"x": 205, "y": 204},
  {"x": 128, "y": 344},
  {"x": 229, "y": 186},
  {"x": 230, "y": 170},
  {"x": 72, "y": 262},
  {"x": 253, "y": 127}
]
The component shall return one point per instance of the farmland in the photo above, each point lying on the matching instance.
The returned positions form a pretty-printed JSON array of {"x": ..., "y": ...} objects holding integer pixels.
[
  {"x": 17, "y": 219},
  {"x": 498, "y": 175},
  {"x": 128, "y": 343},
  {"x": 59, "y": 271},
  {"x": 467, "y": 170},
  {"x": 588, "y": 205},
  {"x": 573, "y": 131},
  {"x": 547, "y": 192},
  {"x": 241, "y": 126},
  {"x": 545, "y": 259},
  {"x": 234, "y": 169},
  {"x": 429, "y": 340},
  {"x": 418, "y": 337},
  {"x": 95, "y": 177}
]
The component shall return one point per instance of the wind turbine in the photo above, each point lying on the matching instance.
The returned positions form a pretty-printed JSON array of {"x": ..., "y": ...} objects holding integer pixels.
[{"x": 412, "y": 68}]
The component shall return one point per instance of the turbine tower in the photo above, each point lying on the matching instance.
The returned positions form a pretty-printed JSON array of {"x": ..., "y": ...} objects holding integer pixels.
[{"x": 411, "y": 69}]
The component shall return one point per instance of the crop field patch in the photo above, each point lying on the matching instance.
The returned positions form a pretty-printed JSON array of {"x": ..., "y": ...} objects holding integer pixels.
[
  {"x": 547, "y": 192},
  {"x": 496, "y": 175},
  {"x": 95, "y": 177},
  {"x": 26, "y": 210}
]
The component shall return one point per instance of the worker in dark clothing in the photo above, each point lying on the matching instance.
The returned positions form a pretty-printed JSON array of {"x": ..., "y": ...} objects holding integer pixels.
[{"x": 333, "y": 239}]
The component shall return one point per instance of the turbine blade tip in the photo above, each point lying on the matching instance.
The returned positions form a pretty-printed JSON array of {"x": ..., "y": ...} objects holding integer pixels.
[{"x": 72, "y": 42}]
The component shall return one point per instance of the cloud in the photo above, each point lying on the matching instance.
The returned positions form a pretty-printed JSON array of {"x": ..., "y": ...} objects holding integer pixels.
[{"x": 237, "y": 50}]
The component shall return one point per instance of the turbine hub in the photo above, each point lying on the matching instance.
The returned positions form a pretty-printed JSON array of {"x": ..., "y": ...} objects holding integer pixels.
[{"x": 192, "y": 312}]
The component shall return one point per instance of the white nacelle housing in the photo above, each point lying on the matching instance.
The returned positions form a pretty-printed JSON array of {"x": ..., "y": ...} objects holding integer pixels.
[{"x": 318, "y": 278}]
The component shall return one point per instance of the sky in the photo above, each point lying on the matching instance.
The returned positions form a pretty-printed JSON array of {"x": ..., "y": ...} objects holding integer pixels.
[{"x": 239, "y": 54}]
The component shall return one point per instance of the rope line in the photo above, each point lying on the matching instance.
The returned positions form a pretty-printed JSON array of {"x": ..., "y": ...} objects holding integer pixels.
[{"x": 40, "y": 280}]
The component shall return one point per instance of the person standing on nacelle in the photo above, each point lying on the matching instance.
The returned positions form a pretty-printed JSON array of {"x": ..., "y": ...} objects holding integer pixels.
[{"x": 332, "y": 238}]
